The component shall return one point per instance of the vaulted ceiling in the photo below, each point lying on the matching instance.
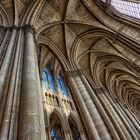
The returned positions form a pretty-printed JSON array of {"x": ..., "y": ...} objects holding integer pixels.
[{"x": 81, "y": 34}]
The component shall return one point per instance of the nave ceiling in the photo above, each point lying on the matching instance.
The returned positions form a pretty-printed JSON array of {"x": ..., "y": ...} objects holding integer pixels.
[{"x": 72, "y": 27}]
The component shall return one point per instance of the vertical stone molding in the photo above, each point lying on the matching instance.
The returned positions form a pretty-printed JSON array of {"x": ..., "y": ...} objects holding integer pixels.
[
  {"x": 129, "y": 133},
  {"x": 113, "y": 116},
  {"x": 9, "y": 83},
  {"x": 88, "y": 109},
  {"x": 106, "y": 119},
  {"x": 48, "y": 135},
  {"x": 31, "y": 120},
  {"x": 131, "y": 128}
]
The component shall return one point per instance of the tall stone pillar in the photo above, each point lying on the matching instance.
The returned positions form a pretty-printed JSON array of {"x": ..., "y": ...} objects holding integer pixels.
[
  {"x": 131, "y": 128},
  {"x": 100, "y": 108},
  {"x": 95, "y": 126},
  {"x": 48, "y": 135},
  {"x": 114, "y": 118},
  {"x": 130, "y": 117},
  {"x": 10, "y": 78},
  {"x": 31, "y": 120},
  {"x": 129, "y": 133}
]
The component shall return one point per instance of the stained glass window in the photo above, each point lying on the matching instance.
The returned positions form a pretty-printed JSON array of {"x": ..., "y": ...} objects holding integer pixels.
[
  {"x": 128, "y": 8},
  {"x": 62, "y": 86},
  {"x": 48, "y": 80},
  {"x": 54, "y": 136}
]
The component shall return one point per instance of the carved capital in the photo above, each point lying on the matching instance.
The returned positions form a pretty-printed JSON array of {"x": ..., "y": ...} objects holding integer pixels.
[
  {"x": 29, "y": 28},
  {"x": 2, "y": 28},
  {"x": 73, "y": 72}
]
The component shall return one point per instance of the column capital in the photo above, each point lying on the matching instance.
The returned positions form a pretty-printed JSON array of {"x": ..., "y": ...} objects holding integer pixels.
[
  {"x": 30, "y": 28},
  {"x": 24, "y": 27},
  {"x": 73, "y": 72},
  {"x": 2, "y": 28}
]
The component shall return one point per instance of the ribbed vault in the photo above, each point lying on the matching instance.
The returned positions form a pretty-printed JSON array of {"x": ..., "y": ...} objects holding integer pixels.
[
  {"x": 102, "y": 61},
  {"x": 96, "y": 50}
]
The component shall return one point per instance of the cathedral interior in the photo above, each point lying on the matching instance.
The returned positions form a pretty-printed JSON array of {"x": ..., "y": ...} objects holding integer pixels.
[{"x": 69, "y": 70}]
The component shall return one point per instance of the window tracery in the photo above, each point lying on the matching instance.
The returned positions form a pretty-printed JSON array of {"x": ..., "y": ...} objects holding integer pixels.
[
  {"x": 128, "y": 8},
  {"x": 62, "y": 86},
  {"x": 56, "y": 128},
  {"x": 48, "y": 82}
]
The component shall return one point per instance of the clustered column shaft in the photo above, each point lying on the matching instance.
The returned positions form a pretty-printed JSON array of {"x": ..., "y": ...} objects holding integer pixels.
[
  {"x": 115, "y": 121},
  {"x": 93, "y": 120},
  {"x": 21, "y": 110}
]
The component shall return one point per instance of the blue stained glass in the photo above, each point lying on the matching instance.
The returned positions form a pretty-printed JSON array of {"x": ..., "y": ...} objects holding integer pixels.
[
  {"x": 48, "y": 80},
  {"x": 54, "y": 135},
  {"x": 45, "y": 80},
  {"x": 64, "y": 88},
  {"x": 61, "y": 86}
]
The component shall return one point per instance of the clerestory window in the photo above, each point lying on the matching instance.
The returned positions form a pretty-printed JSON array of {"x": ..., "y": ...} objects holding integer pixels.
[
  {"x": 62, "y": 86},
  {"x": 127, "y": 7},
  {"x": 48, "y": 80}
]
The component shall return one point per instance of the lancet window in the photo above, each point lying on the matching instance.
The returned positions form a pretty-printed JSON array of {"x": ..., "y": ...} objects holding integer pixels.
[
  {"x": 47, "y": 79},
  {"x": 48, "y": 82},
  {"x": 56, "y": 128},
  {"x": 62, "y": 86}
]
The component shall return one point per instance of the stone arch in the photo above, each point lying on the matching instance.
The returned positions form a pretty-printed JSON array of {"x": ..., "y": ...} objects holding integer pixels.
[
  {"x": 99, "y": 55},
  {"x": 59, "y": 115},
  {"x": 58, "y": 123},
  {"x": 76, "y": 119},
  {"x": 55, "y": 51},
  {"x": 4, "y": 17},
  {"x": 75, "y": 124},
  {"x": 118, "y": 77},
  {"x": 105, "y": 34}
]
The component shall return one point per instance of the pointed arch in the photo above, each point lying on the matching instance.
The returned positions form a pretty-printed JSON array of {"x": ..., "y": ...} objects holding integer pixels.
[
  {"x": 75, "y": 127},
  {"x": 59, "y": 115},
  {"x": 76, "y": 119},
  {"x": 4, "y": 16},
  {"x": 55, "y": 50},
  {"x": 105, "y": 34}
]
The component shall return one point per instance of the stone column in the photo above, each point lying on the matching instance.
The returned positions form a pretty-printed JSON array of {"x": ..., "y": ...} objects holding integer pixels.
[
  {"x": 31, "y": 120},
  {"x": 134, "y": 115},
  {"x": 114, "y": 118},
  {"x": 130, "y": 134},
  {"x": 67, "y": 134},
  {"x": 82, "y": 135},
  {"x": 6, "y": 65},
  {"x": 10, "y": 83},
  {"x": 133, "y": 131},
  {"x": 131, "y": 118},
  {"x": 48, "y": 135},
  {"x": 94, "y": 124},
  {"x": 100, "y": 108}
]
